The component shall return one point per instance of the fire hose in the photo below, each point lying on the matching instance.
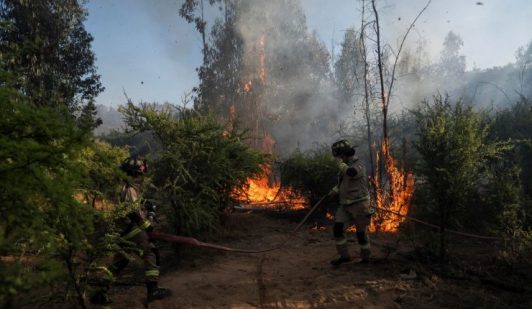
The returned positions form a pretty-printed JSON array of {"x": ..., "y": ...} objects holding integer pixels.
[
  {"x": 197, "y": 243},
  {"x": 194, "y": 242},
  {"x": 439, "y": 227}
]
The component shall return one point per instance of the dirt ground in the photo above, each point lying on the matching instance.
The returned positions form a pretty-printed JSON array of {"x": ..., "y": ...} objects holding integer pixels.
[{"x": 300, "y": 276}]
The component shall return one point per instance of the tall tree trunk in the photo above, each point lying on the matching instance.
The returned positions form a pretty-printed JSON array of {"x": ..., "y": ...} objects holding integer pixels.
[
  {"x": 203, "y": 38},
  {"x": 381, "y": 74},
  {"x": 443, "y": 239},
  {"x": 367, "y": 111},
  {"x": 71, "y": 271}
]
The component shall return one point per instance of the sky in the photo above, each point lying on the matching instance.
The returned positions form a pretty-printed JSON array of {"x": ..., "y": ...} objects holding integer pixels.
[{"x": 146, "y": 50}]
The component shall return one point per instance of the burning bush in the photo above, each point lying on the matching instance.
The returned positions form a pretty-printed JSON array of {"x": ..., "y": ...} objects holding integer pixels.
[{"x": 198, "y": 167}]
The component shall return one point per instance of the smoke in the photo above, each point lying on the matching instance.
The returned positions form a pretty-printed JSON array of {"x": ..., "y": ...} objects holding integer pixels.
[
  {"x": 301, "y": 101},
  {"x": 293, "y": 88},
  {"x": 297, "y": 101}
]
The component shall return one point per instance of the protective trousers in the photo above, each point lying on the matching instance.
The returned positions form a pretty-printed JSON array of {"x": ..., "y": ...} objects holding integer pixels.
[
  {"x": 358, "y": 214},
  {"x": 105, "y": 276},
  {"x": 149, "y": 255}
]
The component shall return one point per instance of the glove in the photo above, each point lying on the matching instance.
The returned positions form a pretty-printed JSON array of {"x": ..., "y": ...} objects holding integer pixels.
[{"x": 151, "y": 209}]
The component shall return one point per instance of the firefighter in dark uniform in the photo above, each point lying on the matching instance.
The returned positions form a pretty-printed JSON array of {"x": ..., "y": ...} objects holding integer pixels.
[
  {"x": 354, "y": 201},
  {"x": 135, "y": 224}
]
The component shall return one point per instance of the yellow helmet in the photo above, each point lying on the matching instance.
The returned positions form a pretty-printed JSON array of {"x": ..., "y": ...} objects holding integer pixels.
[{"x": 134, "y": 166}]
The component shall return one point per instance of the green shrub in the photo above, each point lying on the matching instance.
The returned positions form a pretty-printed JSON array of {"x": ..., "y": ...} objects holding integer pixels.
[
  {"x": 455, "y": 155},
  {"x": 199, "y": 166},
  {"x": 313, "y": 173},
  {"x": 40, "y": 221},
  {"x": 102, "y": 179}
]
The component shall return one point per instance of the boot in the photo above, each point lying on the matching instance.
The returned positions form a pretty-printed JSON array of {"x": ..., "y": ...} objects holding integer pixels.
[
  {"x": 155, "y": 292},
  {"x": 343, "y": 254}
]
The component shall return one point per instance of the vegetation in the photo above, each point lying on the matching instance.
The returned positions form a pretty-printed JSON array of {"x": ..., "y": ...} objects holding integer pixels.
[
  {"x": 46, "y": 45},
  {"x": 455, "y": 155},
  {"x": 312, "y": 173},
  {"x": 47, "y": 84},
  {"x": 264, "y": 78},
  {"x": 199, "y": 166}
]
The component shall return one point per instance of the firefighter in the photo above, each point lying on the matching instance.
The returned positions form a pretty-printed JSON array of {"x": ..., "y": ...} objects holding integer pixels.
[
  {"x": 135, "y": 225},
  {"x": 354, "y": 202}
]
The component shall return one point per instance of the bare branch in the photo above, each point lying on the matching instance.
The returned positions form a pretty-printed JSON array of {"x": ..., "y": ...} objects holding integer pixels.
[{"x": 401, "y": 47}]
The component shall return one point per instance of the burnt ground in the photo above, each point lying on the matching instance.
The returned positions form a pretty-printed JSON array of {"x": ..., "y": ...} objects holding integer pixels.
[{"x": 299, "y": 274}]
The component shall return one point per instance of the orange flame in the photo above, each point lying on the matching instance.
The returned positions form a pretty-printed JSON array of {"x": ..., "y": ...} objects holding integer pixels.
[
  {"x": 262, "y": 65},
  {"x": 267, "y": 193},
  {"x": 230, "y": 124},
  {"x": 399, "y": 197},
  {"x": 264, "y": 191},
  {"x": 247, "y": 86}
]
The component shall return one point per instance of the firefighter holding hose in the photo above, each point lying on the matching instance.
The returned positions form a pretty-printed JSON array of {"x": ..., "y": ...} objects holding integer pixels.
[
  {"x": 354, "y": 202},
  {"x": 137, "y": 221}
]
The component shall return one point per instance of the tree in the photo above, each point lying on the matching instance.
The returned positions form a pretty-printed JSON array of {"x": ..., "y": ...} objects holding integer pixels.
[
  {"x": 188, "y": 12},
  {"x": 454, "y": 153},
  {"x": 452, "y": 65},
  {"x": 47, "y": 85},
  {"x": 264, "y": 69},
  {"x": 515, "y": 123},
  {"x": 392, "y": 186},
  {"x": 524, "y": 63},
  {"x": 41, "y": 222},
  {"x": 220, "y": 74},
  {"x": 45, "y": 44},
  {"x": 349, "y": 68}
]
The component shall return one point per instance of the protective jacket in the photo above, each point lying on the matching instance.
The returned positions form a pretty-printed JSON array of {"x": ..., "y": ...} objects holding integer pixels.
[
  {"x": 135, "y": 221},
  {"x": 353, "y": 184}
]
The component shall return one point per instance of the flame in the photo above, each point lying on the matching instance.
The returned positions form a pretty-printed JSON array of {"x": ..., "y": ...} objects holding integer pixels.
[
  {"x": 232, "y": 112},
  {"x": 267, "y": 193},
  {"x": 259, "y": 76},
  {"x": 262, "y": 58},
  {"x": 230, "y": 124},
  {"x": 399, "y": 197},
  {"x": 247, "y": 86},
  {"x": 263, "y": 191}
]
